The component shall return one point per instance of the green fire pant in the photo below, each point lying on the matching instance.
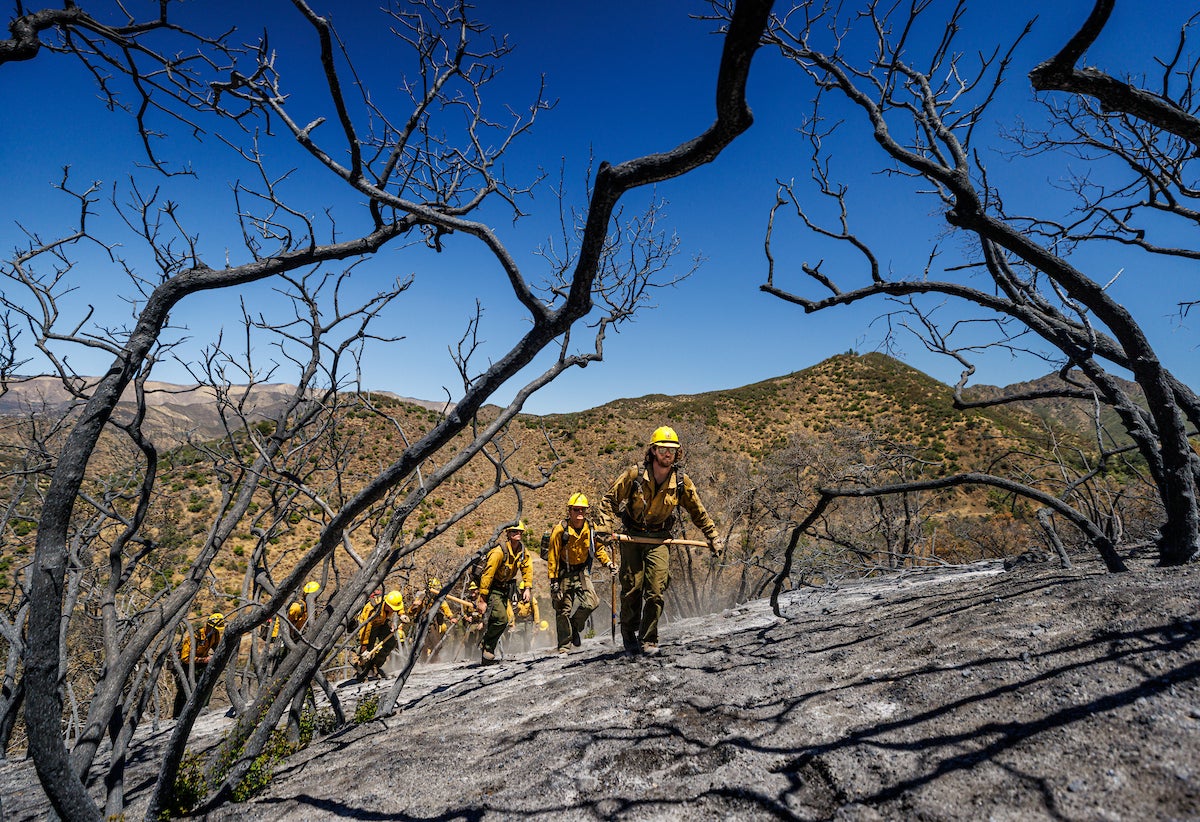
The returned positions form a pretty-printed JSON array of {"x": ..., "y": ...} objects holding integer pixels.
[
  {"x": 644, "y": 580},
  {"x": 496, "y": 617},
  {"x": 574, "y": 605}
]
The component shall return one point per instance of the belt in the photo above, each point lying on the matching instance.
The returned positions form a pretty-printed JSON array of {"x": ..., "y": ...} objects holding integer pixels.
[{"x": 663, "y": 532}]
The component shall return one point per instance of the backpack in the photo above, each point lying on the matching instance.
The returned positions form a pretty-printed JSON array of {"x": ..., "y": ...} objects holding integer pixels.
[{"x": 478, "y": 566}]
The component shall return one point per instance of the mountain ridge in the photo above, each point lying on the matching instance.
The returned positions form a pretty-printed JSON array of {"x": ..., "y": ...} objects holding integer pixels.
[{"x": 728, "y": 435}]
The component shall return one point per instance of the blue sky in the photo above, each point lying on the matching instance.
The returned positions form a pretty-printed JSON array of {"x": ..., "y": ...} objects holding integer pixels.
[{"x": 629, "y": 78}]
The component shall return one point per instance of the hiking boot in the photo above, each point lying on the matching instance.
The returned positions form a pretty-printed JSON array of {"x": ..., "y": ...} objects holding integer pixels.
[
  {"x": 650, "y": 648},
  {"x": 487, "y": 658},
  {"x": 564, "y": 651},
  {"x": 576, "y": 640},
  {"x": 632, "y": 647}
]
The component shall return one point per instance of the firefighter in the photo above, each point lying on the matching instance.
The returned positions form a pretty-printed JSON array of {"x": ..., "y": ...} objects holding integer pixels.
[
  {"x": 298, "y": 611},
  {"x": 508, "y": 566},
  {"x": 440, "y": 623},
  {"x": 471, "y": 622},
  {"x": 297, "y": 617},
  {"x": 569, "y": 563},
  {"x": 207, "y": 636},
  {"x": 525, "y": 619},
  {"x": 642, "y": 503},
  {"x": 377, "y": 638}
]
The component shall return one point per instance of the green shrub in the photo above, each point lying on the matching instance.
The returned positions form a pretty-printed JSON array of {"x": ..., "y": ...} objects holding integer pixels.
[
  {"x": 262, "y": 769},
  {"x": 366, "y": 708},
  {"x": 190, "y": 786}
]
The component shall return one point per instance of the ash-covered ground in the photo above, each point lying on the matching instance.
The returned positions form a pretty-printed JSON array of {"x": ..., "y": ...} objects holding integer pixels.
[{"x": 972, "y": 692}]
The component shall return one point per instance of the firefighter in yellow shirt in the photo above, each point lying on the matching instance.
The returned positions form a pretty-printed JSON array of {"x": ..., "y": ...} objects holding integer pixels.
[
  {"x": 569, "y": 561},
  {"x": 525, "y": 620},
  {"x": 207, "y": 637},
  {"x": 642, "y": 503},
  {"x": 440, "y": 623},
  {"x": 297, "y": 618},
  {"x": 508, "y": 566},
  {"x": 377, "y": 638},
  {"x": 470, "y": 623},
  {"x": 297, "y": 614}
]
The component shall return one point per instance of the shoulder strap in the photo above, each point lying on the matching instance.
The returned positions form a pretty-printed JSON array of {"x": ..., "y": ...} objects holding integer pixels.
[{"x": 634, "y": 486}]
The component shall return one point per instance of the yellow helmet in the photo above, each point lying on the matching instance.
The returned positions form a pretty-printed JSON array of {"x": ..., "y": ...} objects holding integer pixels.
[
  {"x": 544, "y": 625},
  {"x": 394, "y": 600},
  {"x": 577, "y": 500},
  {"x": 520, "y": 526},
  {"x": 312, "y": 586},
  {"x": 217, "y": 619},
  {"x": 665, "y": 436}
]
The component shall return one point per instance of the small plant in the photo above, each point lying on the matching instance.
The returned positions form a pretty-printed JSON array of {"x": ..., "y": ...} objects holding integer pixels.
[
  {"x": 190, "y": 786},
  {"x": 365, "y": 710},
  {"x": 262, "y": 770}
]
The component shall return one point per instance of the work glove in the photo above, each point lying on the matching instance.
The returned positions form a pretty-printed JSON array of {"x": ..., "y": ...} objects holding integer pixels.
[
  {"x": 555, "y": 589},
  {"x": 715, "y": 547}
]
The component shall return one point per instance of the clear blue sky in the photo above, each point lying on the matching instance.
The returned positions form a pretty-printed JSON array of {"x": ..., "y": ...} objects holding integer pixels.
[{"x": 629, "y": 78}]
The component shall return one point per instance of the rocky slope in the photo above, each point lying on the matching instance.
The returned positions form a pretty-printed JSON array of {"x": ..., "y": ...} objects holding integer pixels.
[{"x": 963, "y": 693}]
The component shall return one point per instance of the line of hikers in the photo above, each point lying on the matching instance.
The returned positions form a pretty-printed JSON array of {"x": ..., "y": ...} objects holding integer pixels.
[
  {"x": 638, "y": 514},
  {"x": 634, "y": 522},
  {"x": 455, "y": 625}
]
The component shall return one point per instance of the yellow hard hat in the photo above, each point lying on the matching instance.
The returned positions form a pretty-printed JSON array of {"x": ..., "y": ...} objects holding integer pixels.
[
  {"x": 217, "y": 619},
  {"x": 520, "y": 526},
  {"x": 665, "y": 436},
  {"x": 577, "y": 500},
  {"x": 394, "y": 600},
  {"x": 312, "y": 586}
]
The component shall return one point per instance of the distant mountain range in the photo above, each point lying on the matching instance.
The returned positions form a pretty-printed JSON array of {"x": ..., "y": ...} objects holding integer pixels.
[
  {"x": 173, "y": 412},
  {"x": 869, "y": 392}
]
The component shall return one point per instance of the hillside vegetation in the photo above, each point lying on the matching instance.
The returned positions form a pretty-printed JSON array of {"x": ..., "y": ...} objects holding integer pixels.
[{"x": 730, "y": 436}]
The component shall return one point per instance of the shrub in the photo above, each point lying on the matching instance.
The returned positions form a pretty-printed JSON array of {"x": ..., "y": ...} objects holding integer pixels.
[
  {"x": 365, "y": 710},
  {"x": 190, "y": 786},
  {"x": 262, "y": 769}
]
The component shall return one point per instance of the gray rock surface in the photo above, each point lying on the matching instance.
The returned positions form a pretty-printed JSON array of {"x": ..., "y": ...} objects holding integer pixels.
[{"x": 960, "y": 693}]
